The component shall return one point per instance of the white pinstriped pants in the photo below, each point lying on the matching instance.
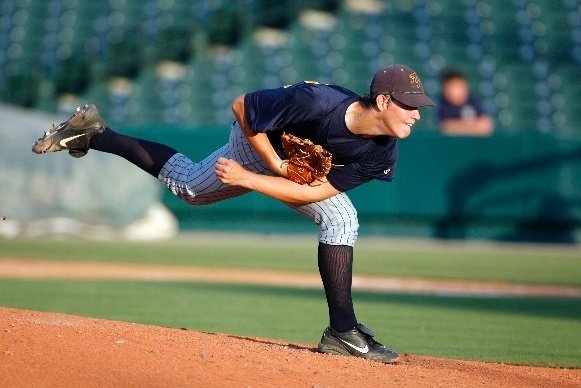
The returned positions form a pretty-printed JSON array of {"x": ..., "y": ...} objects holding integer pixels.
[{"x": 197, "y": 184}]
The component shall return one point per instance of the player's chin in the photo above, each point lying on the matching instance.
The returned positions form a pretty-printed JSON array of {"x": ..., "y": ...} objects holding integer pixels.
[{"x": 404, "y": 132}]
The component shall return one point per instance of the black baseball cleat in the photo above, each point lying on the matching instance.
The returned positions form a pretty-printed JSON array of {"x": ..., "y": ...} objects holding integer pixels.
[
  {"x": 357, "y": 342},
  {"x": 74, "y": 134}
]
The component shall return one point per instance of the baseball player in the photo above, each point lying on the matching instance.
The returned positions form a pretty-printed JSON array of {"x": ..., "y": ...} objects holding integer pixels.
[{"x": 360, "y": 132}]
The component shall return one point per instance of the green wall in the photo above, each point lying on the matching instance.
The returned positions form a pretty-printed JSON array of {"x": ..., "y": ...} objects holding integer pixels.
[{"x": 523, "y": 187}]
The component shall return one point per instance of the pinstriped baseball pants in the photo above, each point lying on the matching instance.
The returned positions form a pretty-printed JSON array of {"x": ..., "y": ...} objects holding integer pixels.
[{"x": 197, "y": 184}]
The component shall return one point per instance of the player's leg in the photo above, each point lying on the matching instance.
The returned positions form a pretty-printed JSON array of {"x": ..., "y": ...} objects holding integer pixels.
[
  {"x": 197, "y": 183},
  {"x": 193, "y": 182},
  {"x": 147, "y": 155},
  {"x": 338, "y": 228},
  {"x": 87, "y": 129}
]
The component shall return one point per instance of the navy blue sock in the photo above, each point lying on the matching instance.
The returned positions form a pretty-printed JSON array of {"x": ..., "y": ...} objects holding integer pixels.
[
  {"x": 336, "y": 269},
  {"x": 147, "y": 155}
]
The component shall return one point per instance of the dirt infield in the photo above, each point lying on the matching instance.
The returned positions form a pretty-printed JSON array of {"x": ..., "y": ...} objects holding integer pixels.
[
  {"x": 38, "y": 269},
  {"x": 56, "y": 350}
]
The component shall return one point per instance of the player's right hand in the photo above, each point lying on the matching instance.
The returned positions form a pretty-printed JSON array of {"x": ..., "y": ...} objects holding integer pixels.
[{"x": 230, "y": 172}]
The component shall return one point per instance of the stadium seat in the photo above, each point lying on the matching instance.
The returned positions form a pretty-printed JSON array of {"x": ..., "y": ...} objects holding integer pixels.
[
  {"x": 567, "y": 90},
  {"x": 61, "y": 47},
  {"x": 23, "y": 40},
  {"x": 448, "y": 21},
  {"x": 554, "y": 27},
  {"x": 211, "y": 89},
  {"x": 518, "y": 97},
  {"x": 500, "y": 29},
  {"x": 259, "y": 60}
]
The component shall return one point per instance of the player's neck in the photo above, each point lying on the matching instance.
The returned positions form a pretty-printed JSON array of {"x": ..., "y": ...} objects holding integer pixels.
[{"x": 361, "y": 121}]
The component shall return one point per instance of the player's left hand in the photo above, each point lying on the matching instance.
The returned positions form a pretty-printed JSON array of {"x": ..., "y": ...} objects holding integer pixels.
[{"x": 230, "y": 172}]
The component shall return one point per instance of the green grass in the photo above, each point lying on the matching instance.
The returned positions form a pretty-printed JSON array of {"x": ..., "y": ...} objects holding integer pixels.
[
  {"x": 532, "y": 331},
  {"x": 502, "y": 262}
]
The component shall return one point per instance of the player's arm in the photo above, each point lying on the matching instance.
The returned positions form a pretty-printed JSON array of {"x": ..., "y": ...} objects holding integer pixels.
[
  {"x": 233, "y": 174},
  {"x": 258, "y": 140}
]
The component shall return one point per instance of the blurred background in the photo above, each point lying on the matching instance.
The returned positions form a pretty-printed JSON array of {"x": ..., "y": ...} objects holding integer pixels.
[{"x": 168, "y": 70}]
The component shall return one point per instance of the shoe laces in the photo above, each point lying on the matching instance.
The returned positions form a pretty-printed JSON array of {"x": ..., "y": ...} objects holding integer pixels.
[
  {"x": 372, "y": 341},
  {"x": 369, "y": 338}
]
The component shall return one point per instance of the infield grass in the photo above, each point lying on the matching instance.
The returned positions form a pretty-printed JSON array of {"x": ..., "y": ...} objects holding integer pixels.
[
  {"x": 531, "y": 331},
  {"x": 533, "y": 264}
]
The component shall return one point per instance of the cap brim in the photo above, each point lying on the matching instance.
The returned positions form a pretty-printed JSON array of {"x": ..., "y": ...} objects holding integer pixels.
[{"x": 415, "y": 100}]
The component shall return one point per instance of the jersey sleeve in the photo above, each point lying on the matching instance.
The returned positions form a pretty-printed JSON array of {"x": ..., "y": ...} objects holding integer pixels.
[{"x": 273, "y": 109}]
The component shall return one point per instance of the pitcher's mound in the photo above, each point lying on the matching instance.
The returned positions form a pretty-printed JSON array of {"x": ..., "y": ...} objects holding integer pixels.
[{"x": 56, "y": 350}]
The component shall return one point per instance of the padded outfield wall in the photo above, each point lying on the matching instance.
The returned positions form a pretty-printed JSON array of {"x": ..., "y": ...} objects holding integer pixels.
[{"x": 523, "y": 187}]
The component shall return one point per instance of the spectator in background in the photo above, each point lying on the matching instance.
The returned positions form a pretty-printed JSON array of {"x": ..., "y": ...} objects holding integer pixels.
[{"x": 460, "y": 113}]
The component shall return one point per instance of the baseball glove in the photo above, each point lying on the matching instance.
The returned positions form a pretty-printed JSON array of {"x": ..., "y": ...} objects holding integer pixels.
[{"x": 307, "y": 162}]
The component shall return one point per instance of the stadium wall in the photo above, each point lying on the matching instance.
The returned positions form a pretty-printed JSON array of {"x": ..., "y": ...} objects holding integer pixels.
[{"x": 515, "y": 187}]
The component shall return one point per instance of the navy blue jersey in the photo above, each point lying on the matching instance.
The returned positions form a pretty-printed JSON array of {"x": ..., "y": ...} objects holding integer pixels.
[{"x": 317, "y": 112}]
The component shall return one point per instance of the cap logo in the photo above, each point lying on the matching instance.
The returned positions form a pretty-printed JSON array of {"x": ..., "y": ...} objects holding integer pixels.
[{"x": 415, "y": 80}]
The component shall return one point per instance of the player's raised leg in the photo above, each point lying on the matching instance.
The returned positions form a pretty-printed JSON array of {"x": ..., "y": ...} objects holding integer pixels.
[
  {"x": 74, "y": 134},
  {"x": 86, "y": 130},
  {"x": 194, "y": 182}
]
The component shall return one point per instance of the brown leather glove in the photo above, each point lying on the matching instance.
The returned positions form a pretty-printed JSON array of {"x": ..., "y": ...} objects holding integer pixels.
[{"x": 307, "y": 162}]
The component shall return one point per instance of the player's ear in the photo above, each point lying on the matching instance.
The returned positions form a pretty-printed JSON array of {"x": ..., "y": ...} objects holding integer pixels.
[
  {"x": 379, "y": 101},
  {"x": 382, "y": 101}
]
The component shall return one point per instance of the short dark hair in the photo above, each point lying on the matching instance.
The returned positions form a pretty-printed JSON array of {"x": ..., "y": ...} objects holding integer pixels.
[
  {"x": 450, "y": 74},
  {"x": 369, "y": 101}
]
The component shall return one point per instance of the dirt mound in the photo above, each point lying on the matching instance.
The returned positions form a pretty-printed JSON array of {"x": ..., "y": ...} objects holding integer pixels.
[{"x": 46, "y": 349}]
